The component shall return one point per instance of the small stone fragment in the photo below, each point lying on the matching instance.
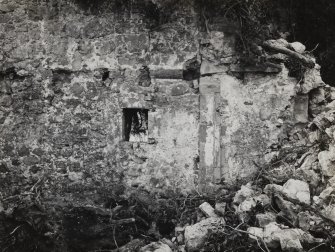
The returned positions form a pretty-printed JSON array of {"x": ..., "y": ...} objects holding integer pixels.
[
  {"x": 169, "y": 243},
  {"x": 220, "y": 207},
  {"x": 246, "y": 205},
  {"x": 181, "y": 248},
  {"x": 22, "y": 73},
  {"x": 133, "y": 245},
  {"x": 244, "y": 193},
  {"x": 244, "y": 208},
  {"x": 325, "y": 194},
  {"x": 30, "y": 160},
  {"x": 312, "y": 80},
  {"x": 307, "y": 220},
  {"x": 309, "y": 176},
  {"x": 179, "y": 90},
  {"x": 255, "y": 233},
  {"x": 298, "y": 47},
  {"x": 279, "y": 42},
  {"x": 208, "y": 210},
  {"x": 330, "y": 106},
  {"x": 329, "y": 212},
  {"x": 327, "y": 162},
  {"x": 297, "y": 189},
  {"x": 308, "y": 161},
  {"x": 178, "y": 230},
  {"x": 156, "y": 247},
  {"x": 290, "y": 245},
  {"x": 77, "y": 89},
  {"x": 263, "y": 199},
  {"x": 197, "y": 234},
  {"x": 6, "y": 100},
  {"x": 288, "y": 209},
  {"x": 76, "y": 176},
  {"x": 270, "y": 235},
  {"x": 180, "y": 239},
  {"x": 265, "y": 218},
  {"x": 272, "y": 188}
]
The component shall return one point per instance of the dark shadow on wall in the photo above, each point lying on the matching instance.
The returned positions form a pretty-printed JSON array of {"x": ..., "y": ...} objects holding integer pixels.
[
  {"x": 98, "y": 6},
  {"x": 146, "y": 7}
]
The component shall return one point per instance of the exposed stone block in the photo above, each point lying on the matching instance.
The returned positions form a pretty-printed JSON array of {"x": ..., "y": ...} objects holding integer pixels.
[
  {"x": 208, "y": 68},
  {"x": 73, "y": 30},
  {"x": 312, "y": 80},
  {"x": 8, "y": 149},
  {"x": 23, "y": 151},
  {"x": 179, "y": 90},
  {"x": 220, "y": 208},
  {"x": 96, "y": 28},
  {"x": 208, "y": 210},
  {"x": 156, "y": 247},
  {"x": 298, "y": 47},
  {"x": 166, "y": 73},
  {"x": 6, "y": 100},
  {"x": 327, "y": 162},
  {"x": 197, "y": 234},
  {"x": 265, "y": 219},
  {"x": 137, "y": 43},
  {"x": 30, "y": 160}
]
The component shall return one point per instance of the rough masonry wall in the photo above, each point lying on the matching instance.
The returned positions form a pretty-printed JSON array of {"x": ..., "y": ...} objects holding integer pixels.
[{"x": 67, "y": 74}]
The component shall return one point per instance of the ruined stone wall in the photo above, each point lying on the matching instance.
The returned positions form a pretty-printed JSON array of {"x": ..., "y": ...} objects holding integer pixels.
[{"x": 67, "y": 75}]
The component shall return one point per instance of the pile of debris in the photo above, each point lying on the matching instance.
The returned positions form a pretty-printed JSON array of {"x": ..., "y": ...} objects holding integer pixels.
[{"x": 277, "y": 218}]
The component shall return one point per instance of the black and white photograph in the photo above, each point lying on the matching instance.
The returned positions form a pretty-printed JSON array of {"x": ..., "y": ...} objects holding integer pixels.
[{"x": 167, "y": 126}]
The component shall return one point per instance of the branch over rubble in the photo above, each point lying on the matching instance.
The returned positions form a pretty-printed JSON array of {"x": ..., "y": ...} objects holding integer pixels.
[
  {"x": 280, "y": 47},
  {"x": 306, "y": 207}
]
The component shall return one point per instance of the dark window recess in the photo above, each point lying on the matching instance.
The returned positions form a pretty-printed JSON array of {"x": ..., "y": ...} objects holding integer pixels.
[
  {"x": 105, "y": 75},
  {"x": 135, "y": 125},
  {"x": 191, "y": 69}
]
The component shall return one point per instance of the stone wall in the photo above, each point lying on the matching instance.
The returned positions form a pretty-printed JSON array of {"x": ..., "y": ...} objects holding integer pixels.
[{"x": 67, "y": 74}]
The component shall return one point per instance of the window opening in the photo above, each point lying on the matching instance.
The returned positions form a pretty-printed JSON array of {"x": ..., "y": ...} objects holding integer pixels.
[{"x": 135, "y": 125}]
